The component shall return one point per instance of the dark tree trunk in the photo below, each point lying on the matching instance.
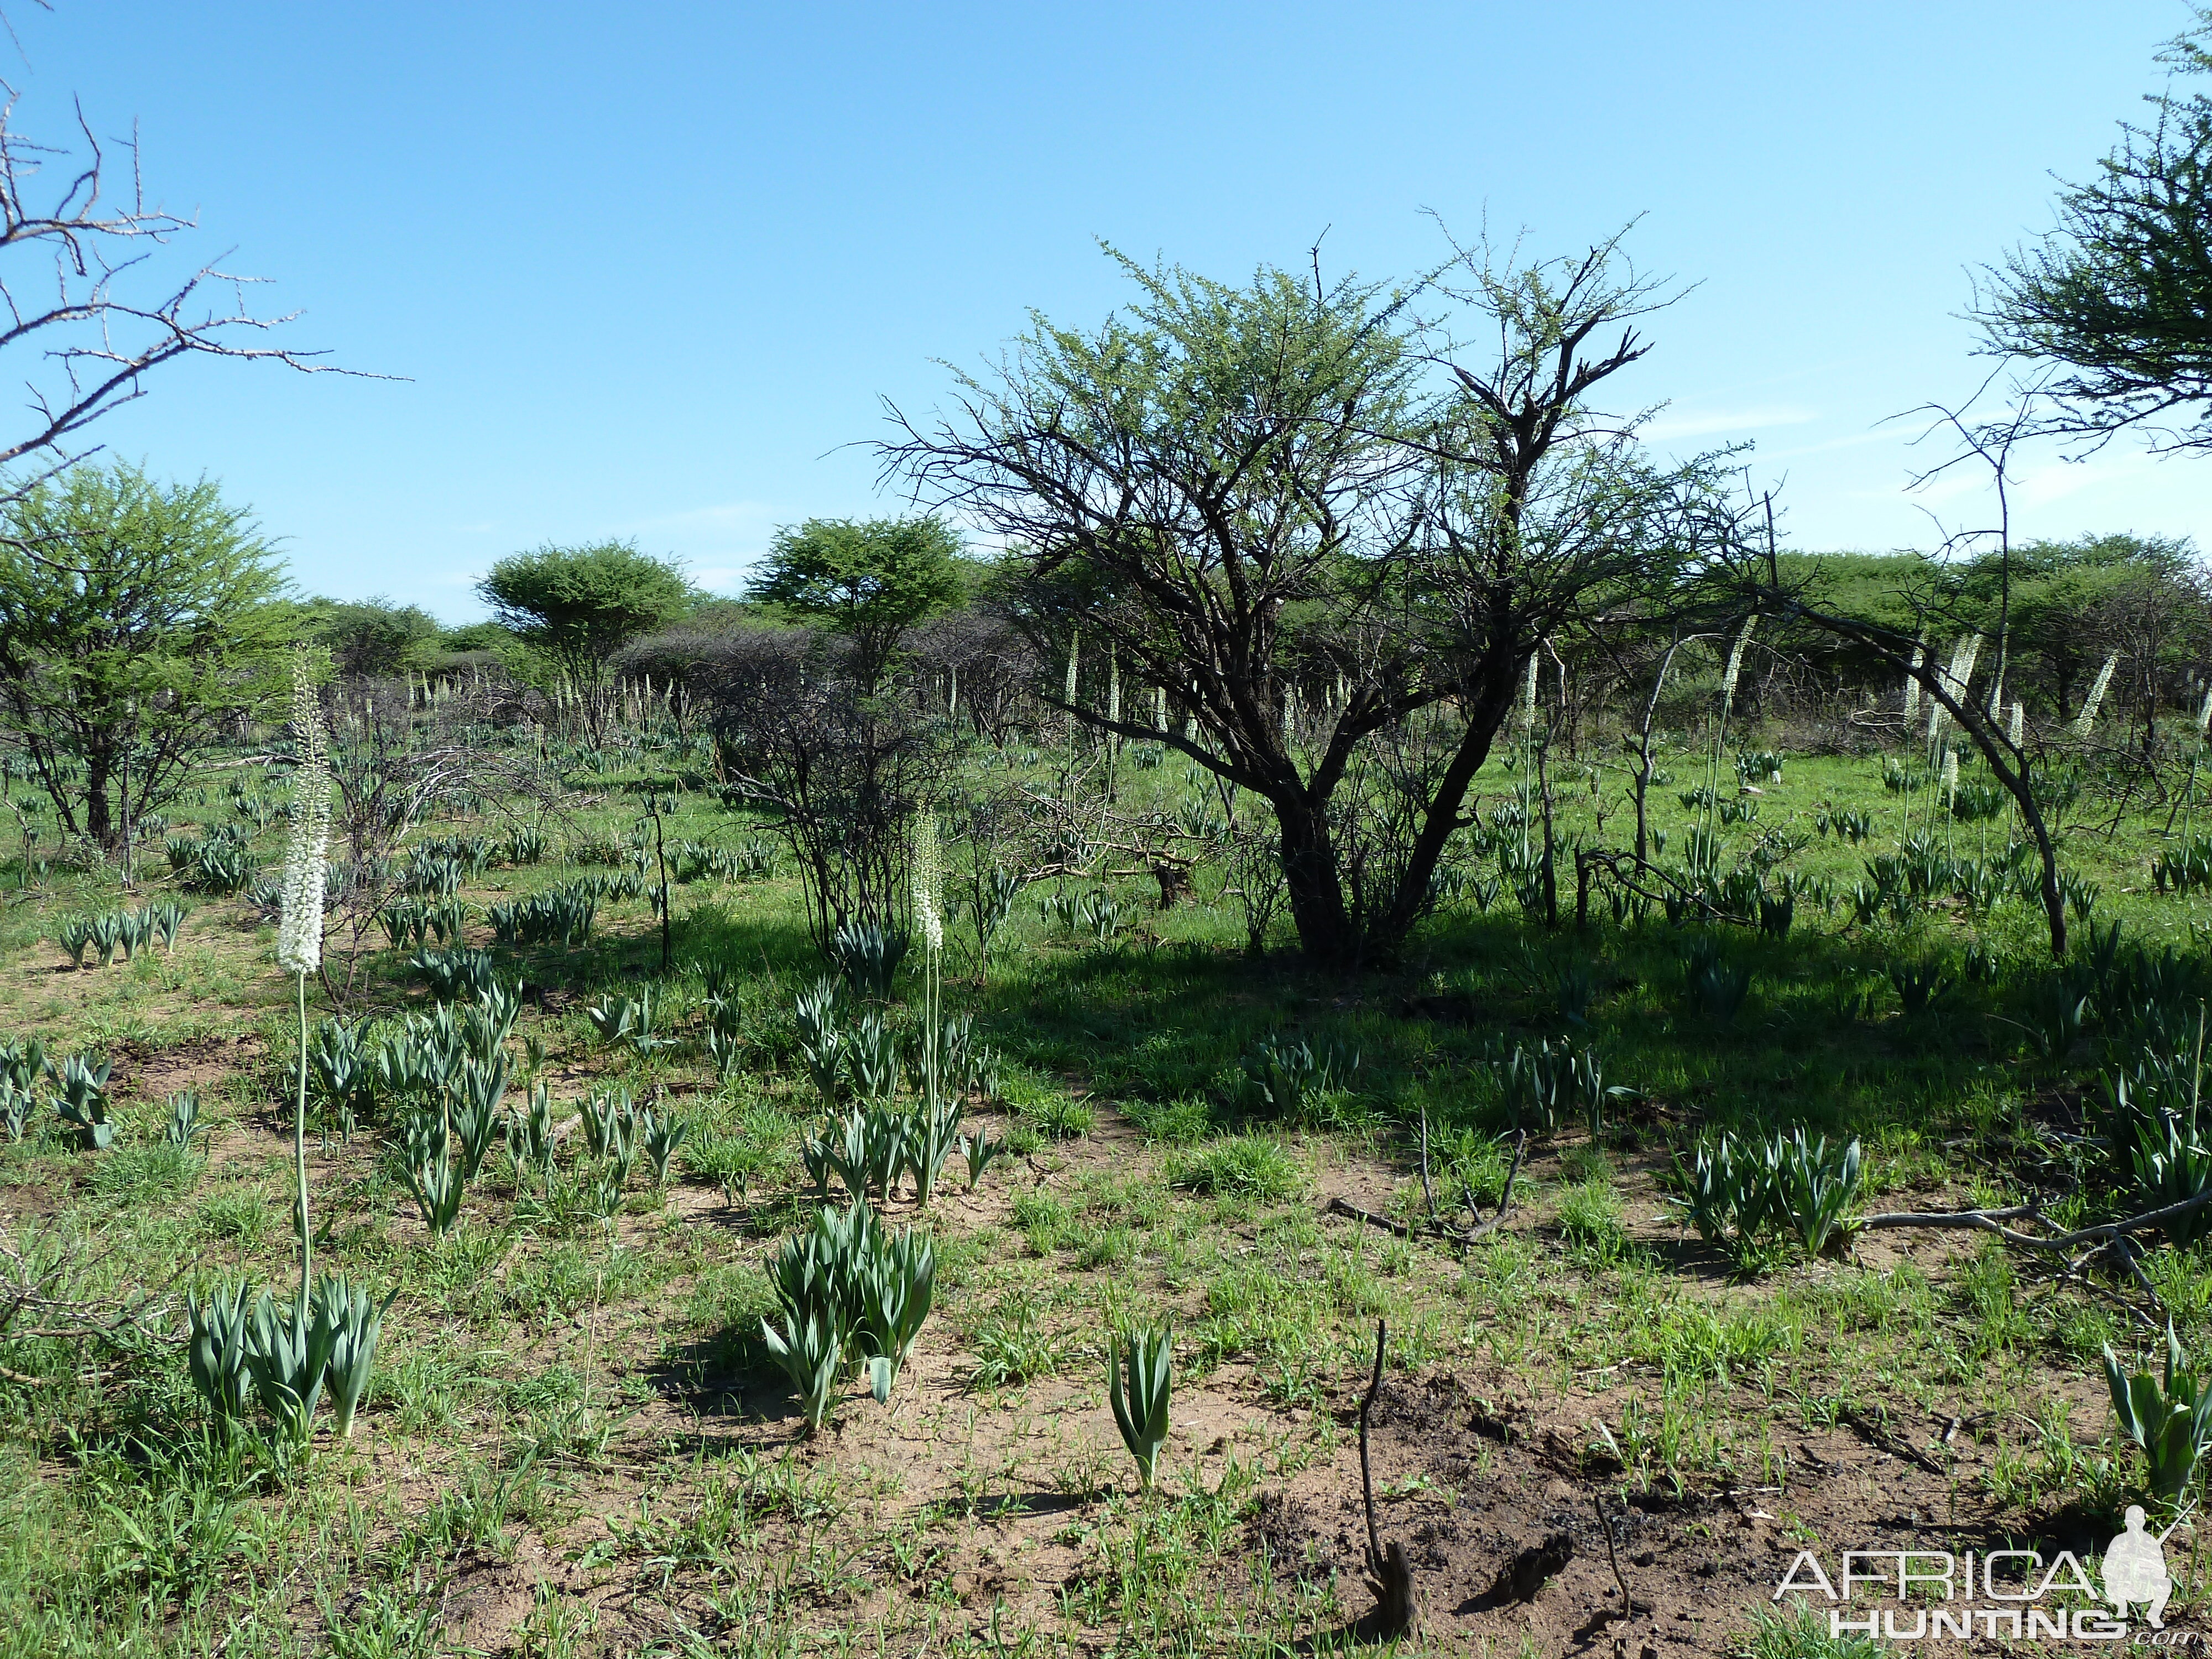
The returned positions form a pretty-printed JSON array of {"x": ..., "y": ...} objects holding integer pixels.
[
  {"x": 98, "y": 823},
  {"x": 1314, "y": 884}
]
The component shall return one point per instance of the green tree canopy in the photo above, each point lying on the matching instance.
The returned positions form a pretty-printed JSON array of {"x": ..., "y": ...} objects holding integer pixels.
[
  {"x": 475, "y": 636},
  {"x": 869, "y": 579},
  {"x": 373, "y": 636},
  {"x": 1283, "y": 513},
  {"x": 138, "y": 620},
  {"x": 2117, "y": 300},
  {"x": 577, "y": 606}
]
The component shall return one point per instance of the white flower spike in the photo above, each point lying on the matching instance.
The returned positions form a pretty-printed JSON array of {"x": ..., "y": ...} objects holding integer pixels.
[{"x": 300, "y": 928}]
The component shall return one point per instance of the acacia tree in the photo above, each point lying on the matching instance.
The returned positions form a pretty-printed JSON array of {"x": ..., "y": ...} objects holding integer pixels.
[
  {"x": 870, "y": 581},
  {"x": 158, "y": 631},
  {"x": 2114, "y": 303},
  {"x": 372, "y": 636},
  {"x": 577, "y": 606},
  {"x": 1268, "y": 503}
]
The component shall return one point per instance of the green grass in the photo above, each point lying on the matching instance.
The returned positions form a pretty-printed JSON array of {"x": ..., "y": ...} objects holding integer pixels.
[{"x": 593, "y": 1389}]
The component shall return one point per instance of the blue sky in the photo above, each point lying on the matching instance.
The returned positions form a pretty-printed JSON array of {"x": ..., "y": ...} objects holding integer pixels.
[{"x": 649, "y": 272}]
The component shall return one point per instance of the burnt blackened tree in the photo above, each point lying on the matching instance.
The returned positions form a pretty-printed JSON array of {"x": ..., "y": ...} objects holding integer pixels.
[{"x": 1295, "y": 516}]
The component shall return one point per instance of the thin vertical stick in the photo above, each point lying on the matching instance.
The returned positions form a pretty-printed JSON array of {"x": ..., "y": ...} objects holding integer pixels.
[
  {"x": 1427, "y": 1192},
  {"x": 1366, "y": 1474}
]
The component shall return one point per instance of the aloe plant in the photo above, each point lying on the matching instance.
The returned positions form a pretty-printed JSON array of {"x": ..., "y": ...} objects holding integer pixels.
[
  {"x": 1920, "y": 985},
  {"x": 810, "y": 1349},
  {"x": 627, "y": 1022},
  {"x": 839, "y": 1150},
  {"x": 660, "y": 1137},
  {"x": 16, "y": 1106},
  {"x": 980, "y": 1151},
  {"x": 610, "y": 1124},
  {"x": 215, "y": 1351},
  {"x": 725, "y": 1047},
  {"x": 26, "y": 1064},
  {"x": 848, "y": 1290},
  {"x": 75, "y": 935},
  {"x": 530, "y": 1135},
  {"x": 83, "y": 1101},
  {"x": 1717, "y": 987},
  {"x": 822, "y": 1038},
  {"x": 868, "y": 954},
  {"x": 2171, "y": 1421},
  {"x": 338, "y": 1063},
  {"x": 1287, "y": 1074},
  {"x": 932, "y": 1138},
  {"x": 1814, "y": 1189},
  {"x": 355, "y": 1321},
  {"x": 477, "y": 1127},
  {"x": 1586, "y": 1080},
  {"x": 896, "y": 1288},
  {"x": 184, "y": 1119},
  {"x": 872, "y": 1062},
  {"x": 455, "y": 974},
  {"x": 427, "y": 1169},
  {"x": 1736, "y": 1192},
  {"x": 1139, "y": 1380},
  {"x": 288, "y": 1344},
  {"x": 1536, "y": 1083},
  {"x": 166, "y": 918}
]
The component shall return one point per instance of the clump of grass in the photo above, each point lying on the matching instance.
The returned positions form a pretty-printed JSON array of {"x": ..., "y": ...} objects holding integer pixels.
[
  {"x": 1059, "y": 1118},
  {"x": 240, "y": 1216},
  {"x": 1013, "y": 1347},
  {"x": 1803, "y": 1634},
  {"x": 142, "y": 1173},
  {"x": 1043, "y": 1220},
  {"x": 1590, "y": 1216},
  {"x": 1240, "y": 1166},
  {"x": 1177, "y": 1123}
]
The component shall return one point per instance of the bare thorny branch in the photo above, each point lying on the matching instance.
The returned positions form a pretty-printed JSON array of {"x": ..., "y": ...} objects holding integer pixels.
[
  {"x": 95, "y": 339},
  {"x": 37, "y": 1299}
]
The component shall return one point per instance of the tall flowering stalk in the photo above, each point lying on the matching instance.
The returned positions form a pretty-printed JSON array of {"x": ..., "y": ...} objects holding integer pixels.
[
  {"x": 2088, "y": 719},
  {"x": 300, "y": 925},
  {"x": 1912, "y": 681},
  {"x": 925, "y": 870},
  {"x": 1736, "y": 666},
  {"x": 1729, "y": 678},
  {"x": 1956, "y": 674}
]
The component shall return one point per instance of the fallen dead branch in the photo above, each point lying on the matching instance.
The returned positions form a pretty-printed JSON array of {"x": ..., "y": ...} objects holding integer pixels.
[
  {"x": 37, "y": 1276},
  {"x": 1433, "y": 1228},
  {"x": 2116, "y": 1239}
]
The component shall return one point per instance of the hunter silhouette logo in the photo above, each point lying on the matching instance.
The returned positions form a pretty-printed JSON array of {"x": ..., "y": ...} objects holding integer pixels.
[
  {"x": 2009, "y": 1594},
  {"x": 2135, "y": 1570}
]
